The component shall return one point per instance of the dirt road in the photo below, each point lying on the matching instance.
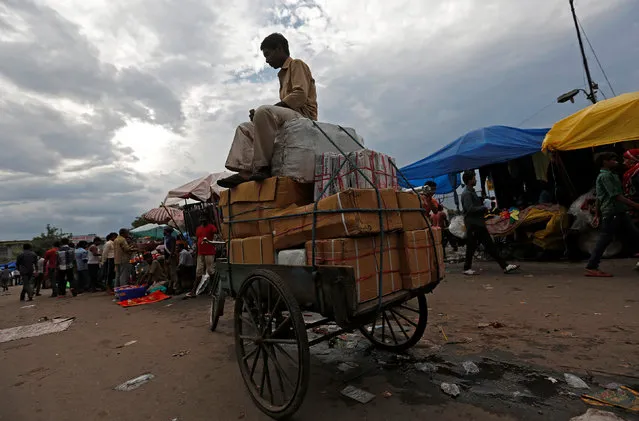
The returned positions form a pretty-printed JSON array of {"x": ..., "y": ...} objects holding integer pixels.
[{"x": 546, "y": 321}]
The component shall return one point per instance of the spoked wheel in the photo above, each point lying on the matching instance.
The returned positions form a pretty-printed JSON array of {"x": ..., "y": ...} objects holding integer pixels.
[
  {"x": 399, "y": 327},
  {"x": 271, "y": 344},
  {"x": 218, "y": 297}
]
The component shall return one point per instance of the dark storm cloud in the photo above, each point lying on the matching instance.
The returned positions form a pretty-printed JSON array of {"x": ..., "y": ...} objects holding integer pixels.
[
  {"x": 57, "y": 60},
  {"x": 504, "y": 83}
]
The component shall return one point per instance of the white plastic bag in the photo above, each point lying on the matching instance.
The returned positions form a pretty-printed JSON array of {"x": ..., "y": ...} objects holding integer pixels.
[
  {"x": 299, "y": 141},
  {"x": 457, "y": 227},
  {"x": 203, "y": 284}
]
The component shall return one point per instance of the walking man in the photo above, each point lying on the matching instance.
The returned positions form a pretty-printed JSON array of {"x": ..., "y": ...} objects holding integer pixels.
[
  {"x": 27, "y": 263},
  {"x": 476, "y": 231},
  {"x": 613, "y": 209}
]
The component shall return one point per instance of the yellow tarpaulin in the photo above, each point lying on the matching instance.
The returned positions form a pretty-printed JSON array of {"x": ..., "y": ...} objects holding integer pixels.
[{"x": 610, "y": 121}]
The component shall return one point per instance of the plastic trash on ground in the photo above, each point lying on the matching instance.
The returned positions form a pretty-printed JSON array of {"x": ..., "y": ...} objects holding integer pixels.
[
  {"x": 575, "y": 381},
  {"x": 470, "y": 367},
  {"x": 134, "y": 383},
  {"x": 450, "y": 389},
  {"x": 357, "y": 394}
]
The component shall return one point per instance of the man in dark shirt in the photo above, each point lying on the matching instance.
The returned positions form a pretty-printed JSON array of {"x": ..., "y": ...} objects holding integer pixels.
[
  {"x": 171, "y": 255},
  {"x": 476, "y": 231},
  {"x": 613, "y": 208},
  {"x": 27, "y": 262}
]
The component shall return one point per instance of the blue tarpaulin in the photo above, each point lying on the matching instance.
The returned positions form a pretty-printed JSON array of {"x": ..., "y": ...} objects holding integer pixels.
[
  {"x": 445, "y": 183},
  {"x": 490, "y": 145}
]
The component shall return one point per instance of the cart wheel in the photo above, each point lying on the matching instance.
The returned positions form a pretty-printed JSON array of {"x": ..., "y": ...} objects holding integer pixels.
[
  {"x": 217, "y": 301},
  {"x": 271, "y": 344},
  {"x": 399, "y": 327}
]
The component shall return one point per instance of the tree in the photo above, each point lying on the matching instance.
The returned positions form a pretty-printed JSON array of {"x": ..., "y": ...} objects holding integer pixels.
[
  {"x": 45, "y": 241},
  {"x": 139, "y": 221}
]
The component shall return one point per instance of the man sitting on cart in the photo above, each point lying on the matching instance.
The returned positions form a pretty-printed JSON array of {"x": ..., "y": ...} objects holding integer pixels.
[{"x": 252, "y": 147}]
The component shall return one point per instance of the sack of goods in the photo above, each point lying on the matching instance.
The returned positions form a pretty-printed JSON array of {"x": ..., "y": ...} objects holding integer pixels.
[{"x": 275, "y": 221}]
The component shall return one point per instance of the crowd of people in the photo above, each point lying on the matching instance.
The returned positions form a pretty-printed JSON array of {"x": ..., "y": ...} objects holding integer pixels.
[{"x": 101, "y": 265}]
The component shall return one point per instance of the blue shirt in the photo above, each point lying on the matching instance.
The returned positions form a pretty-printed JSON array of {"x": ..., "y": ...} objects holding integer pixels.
[{"x": 82, "y": 258}]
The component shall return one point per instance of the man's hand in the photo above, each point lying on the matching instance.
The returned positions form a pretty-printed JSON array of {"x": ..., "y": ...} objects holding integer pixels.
[
  {"x": 251, "y": 114},
  {"x": 282, "y": 104}
]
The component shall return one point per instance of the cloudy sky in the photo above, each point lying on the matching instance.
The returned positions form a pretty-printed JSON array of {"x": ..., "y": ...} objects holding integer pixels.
[{"x": 107, "y": 104}]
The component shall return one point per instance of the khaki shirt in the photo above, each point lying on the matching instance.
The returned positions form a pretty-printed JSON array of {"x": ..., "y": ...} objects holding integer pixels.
[
  {"x": 297, "y": 87},
  {"x": 122, "y": 250}
]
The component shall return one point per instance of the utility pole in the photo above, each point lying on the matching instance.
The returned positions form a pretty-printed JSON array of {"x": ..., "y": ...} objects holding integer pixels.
[{"x": 592, "y": 86}]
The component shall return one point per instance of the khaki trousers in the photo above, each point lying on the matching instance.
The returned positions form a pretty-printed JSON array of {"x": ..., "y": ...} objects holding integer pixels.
[{"x": 252, "y": 146}]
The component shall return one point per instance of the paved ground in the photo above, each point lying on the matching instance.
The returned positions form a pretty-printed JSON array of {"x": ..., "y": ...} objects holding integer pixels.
[{"x": 550, "y": 320}]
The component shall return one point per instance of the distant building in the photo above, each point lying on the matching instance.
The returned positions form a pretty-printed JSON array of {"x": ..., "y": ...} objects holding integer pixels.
[
  {"x": 9, "y": 250},
  {"x": 88, "y": 237}
]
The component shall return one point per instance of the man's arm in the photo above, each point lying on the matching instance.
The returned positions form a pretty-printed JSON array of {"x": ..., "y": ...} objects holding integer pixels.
[
  {"x": 467, "y": 204},
  {"x": 300, "y": 79},
  {"x": 623, "y": 199}
]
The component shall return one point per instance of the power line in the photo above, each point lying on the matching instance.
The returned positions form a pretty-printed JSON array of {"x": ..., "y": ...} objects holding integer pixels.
[
  {"x": 537, "y": 113},
  {"x": 596, "y": 58}
]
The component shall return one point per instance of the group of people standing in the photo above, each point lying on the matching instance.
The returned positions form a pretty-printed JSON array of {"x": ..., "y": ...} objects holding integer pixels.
[{"x": 103, "y": 266}]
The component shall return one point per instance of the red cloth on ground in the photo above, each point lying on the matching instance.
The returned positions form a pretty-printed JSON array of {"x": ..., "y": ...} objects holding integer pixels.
[{"x": 151, "y": 298}]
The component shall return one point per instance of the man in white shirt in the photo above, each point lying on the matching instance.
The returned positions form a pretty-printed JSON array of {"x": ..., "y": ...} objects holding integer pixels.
[{"x": 39, "y": 276}]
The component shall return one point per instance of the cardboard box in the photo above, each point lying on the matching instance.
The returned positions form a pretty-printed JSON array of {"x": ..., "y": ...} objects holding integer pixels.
[
  {"x": 253, "y": 250},
  {"x": 296, "y": 230},
  {"x": 254, "y": 200},
  {"x": 411, "y": 220},
  {"x": 363, "y": 254},
  {"x": 418, "y": 261}
]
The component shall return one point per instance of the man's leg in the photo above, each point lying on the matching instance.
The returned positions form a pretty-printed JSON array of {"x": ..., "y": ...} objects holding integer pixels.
[
  {"x": 38, "y": 283},
  {"x": 471, "y": 245},
  {"x": 267, "y": 120},
  {"x": 607, "y": 231},
  {"x": 125, "y": 274},
  {"x": 53, "y": 280},
  {"x": 23, "y": 292},
  {"x": 483, "y": 237},
  {"x": 175, "y": 281},
  {"x": 116, "y": 280},
  {"x": 93, "y": 277},
  {"x": 28, "y": 285},
  {"x": 240, "y": 157}
]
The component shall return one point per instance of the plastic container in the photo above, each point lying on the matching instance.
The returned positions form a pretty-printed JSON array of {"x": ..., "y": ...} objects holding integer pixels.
[{"x": 129, "y": 292}]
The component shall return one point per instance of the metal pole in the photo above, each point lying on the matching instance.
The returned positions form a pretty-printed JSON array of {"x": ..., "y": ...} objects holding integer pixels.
[{"x": 591, "y": 85}]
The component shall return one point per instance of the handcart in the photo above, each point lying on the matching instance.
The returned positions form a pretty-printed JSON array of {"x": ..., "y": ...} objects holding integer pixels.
[{"x": 272, "y": 344}]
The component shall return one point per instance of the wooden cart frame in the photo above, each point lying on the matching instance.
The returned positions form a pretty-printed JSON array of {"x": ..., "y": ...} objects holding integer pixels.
[{"x": 271, "y": 340}]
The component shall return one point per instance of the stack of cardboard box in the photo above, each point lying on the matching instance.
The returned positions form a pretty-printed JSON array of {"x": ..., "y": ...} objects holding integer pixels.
[{"x": 348, "y": 232}]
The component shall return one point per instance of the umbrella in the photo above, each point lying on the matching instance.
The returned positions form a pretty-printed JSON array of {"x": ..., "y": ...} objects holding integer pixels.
[
  {"x": 606, "y": 122},
  {"x": 154, "y": 231},
  {"x": 200, "y": 189},
  {"x": 163, "y": 215}
]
